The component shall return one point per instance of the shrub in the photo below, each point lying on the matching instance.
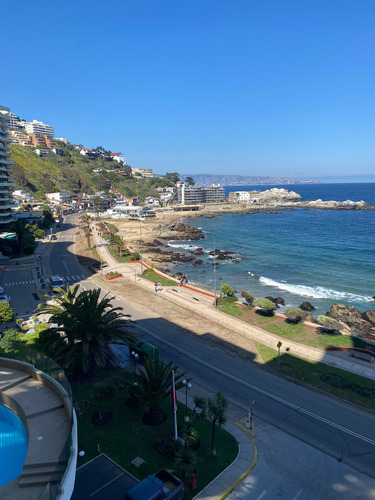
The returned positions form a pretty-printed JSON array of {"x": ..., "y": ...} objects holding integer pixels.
[
  {"x": 227, "y": 290},
  {"x": 264, "y": 303},
  {"x": 295, "y": 314},
  {"x": 329, "y": 323},
  {"x": 247, "y": 296},
  {"x": 135, "y": 256},
  {"x": 9, "y": 338},
  {"x": 6, "y": 312}
]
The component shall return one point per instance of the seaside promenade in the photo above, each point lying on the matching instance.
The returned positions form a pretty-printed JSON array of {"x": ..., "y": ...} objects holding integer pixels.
[
  {"x": 233, "y": 482},
  {"x": 201, "y": 302}
]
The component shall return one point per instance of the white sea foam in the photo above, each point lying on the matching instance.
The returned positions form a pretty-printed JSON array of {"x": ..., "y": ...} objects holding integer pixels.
[
  {"x": 184, "y": 246},
  {"x": 315, "y": 292}
]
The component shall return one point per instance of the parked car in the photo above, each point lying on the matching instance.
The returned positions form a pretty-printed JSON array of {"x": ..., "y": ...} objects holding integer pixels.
[
  {"x": 53, "y": 237},
  {"x": 99, "y": 265},
  {"x": 4, "y": 298}
]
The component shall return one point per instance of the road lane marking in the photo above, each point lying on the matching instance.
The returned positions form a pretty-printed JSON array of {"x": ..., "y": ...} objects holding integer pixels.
[
  {"x": 298, "y": 494},
  {"x": 262, "y": 494},
  {"x": 262, "y": 391}
]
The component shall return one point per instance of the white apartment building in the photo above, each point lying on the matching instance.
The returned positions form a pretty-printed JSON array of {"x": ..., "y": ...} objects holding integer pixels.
[
  {"x": 61, "y": 197},
  {"x": 191, "y": 195},
  {"x": 145, "y": 172},
  {"x": 62, "y": 139},
  {"x": 6, "y": 184},
  {"x": 14, "y": 121},
  {"x": 36, "y": 127},
  {"x": 119, "y": 157}
]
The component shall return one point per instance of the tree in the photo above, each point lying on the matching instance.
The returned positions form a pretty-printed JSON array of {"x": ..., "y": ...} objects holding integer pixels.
[
  {"x": 86, "y": 326},
  {"x": 9, "y": 338},
  {"x": 6, "y": 312},
  {"x": 117, "y": 241},
  {"x": 294, "y": 314},
  {"x": 248, "y": 297},
  {"x": 266, "y": 305},
  {"x": 25, "y": 207},
  {"x": 217, "y": 409},
  {"x": 154, "y": 383},
  {"x": 227, "y": 290},
  {"x": 101, "y": 394},
  {"x": 22, "y": 228},
  {"x": 173, "y": 177},
  {"x": 189, "y": 181},
  {"x": 186, "y": 460},
  {"x": 86, "y": 220}
]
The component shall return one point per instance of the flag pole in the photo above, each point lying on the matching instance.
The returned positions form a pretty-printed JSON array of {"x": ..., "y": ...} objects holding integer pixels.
[{"x": 174, "y": 406}]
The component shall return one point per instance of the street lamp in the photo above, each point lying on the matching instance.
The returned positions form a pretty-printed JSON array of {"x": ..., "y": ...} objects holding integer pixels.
[
  {"x": 140, "y": 245},
  {"x": 187, "y": 387},
  {"x": 213, "y": 235},
  {"x": 135, "y": 357}
]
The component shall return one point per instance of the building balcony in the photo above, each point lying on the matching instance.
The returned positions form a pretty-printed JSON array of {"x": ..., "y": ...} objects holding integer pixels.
[
  {"x": 5, "y": 139},
  {"x": 7, "y": 184}
]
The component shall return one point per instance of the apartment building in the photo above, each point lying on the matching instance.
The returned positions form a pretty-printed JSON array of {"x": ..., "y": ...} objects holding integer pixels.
[
  {"x": 36, "y": 127},
  {"x": 20, "y": 137},
  {"x": 6, "y": 184},
  {"x": 243, "y": 197},
  {"x": 144, "y": 172},
  {"x": 191, "y": 195}
]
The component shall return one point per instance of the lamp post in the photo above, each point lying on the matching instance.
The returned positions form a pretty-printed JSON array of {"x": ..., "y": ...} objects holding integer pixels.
[
  {"x": 140, "y": 245},
  {"x": 135, "y": 357},
  {"x": 213, "y": 235},
  {"x": 187, "y": 387}
]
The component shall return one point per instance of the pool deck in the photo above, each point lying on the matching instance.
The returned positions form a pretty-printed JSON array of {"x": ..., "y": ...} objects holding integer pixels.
[{"x": 48, "y": 425}]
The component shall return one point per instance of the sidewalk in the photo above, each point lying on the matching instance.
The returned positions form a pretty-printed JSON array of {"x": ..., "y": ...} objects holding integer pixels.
[{"x": 201, "y": 302}]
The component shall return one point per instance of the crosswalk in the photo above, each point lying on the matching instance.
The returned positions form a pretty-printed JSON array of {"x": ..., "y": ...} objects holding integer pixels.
[{"x": 69, "y": 278}]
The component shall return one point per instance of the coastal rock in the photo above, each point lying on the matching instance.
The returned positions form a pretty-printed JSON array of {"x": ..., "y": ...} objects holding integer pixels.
[
  {"x": 306, "y": 306},
  {"x": 198, "y": 251},
  {"x": 198, "y": 262},
  {"x": 224, "y": 255},
  {"x": 350, "y": 316},
  {"x": 181, "y": 231},
  {"x": 369, "y": 316},
  {"x": 336, "y": 205},
  {"x": 277, "y": 195},
  {"x": 278, "y": 301}
]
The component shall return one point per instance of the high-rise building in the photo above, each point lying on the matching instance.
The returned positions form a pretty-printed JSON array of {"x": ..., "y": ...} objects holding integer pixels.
[
  {"x": 36, "y": 127},
  {"x": 191, "y": 195},
  {"x": 6, "y": 184}
]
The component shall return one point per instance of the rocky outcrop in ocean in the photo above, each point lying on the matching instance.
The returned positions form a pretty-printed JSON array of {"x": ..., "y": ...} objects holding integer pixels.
[{"x": 357, "y": 321}]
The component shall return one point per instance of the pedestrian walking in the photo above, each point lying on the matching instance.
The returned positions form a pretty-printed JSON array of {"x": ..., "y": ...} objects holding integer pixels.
[
  {"x": 159, "y": 286},
  {"x": 156, "y": 287}
]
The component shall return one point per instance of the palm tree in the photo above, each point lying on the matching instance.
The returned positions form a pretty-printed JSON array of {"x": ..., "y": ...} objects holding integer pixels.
[
  {"x": 117, "y": 241},
  {"x": 217, "y": 409},
  {"x": 21, "y": 227},
  {"x": 86, "y": 326},
  {"x": 86, "y": 220},
  {"x": 154, "y": 386},
  {"x": 186, "y": 460}
]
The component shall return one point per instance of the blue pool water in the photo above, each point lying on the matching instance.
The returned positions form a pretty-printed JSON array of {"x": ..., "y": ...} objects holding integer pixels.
[{"x": 13, "y": 445}]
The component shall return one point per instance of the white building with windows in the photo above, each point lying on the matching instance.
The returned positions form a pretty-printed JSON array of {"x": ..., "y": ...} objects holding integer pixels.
[
  {"x": 62, "y": 197},
  {"x": 119, "y": 157},
  {"x": 36, "y": 127},
  {"x": 6, "y": 184}
]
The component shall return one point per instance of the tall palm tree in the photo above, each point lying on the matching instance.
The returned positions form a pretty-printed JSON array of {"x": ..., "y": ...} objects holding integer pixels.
[
  {"x": 117, "y": 241},
  {"x": 217, "y": 409},
  {"x": 86, "y": 221},
  {"x": 21, "y": 227},
  {"x": 154, "y": 386},
  {"x": 86, "y": 325}
]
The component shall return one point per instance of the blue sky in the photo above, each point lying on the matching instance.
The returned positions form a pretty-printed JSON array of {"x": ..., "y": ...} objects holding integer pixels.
[{"x": 271, "y": 87}]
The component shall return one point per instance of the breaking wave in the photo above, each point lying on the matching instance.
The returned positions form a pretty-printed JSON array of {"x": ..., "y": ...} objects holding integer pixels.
[
  {"x": 184, "y": 246},
  {"x": 315, "y": 292}
]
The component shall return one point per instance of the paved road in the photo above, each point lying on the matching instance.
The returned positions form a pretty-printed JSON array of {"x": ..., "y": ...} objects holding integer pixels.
[{"x": 342, "y": 431}]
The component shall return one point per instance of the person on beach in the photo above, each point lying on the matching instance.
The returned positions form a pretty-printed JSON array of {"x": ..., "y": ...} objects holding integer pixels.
[{"x": 156, "y": 287}]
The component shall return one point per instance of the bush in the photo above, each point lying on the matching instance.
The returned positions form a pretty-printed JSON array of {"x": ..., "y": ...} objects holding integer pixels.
[
  {"x": 295, "y": 314},
  {"x": 6, "y": 312},
  {"x": 247, "y": 296},
  {"x": 227, "y": 290},
  {"x": 329, "y": 323},
  {"x": 9, "y": 338},
  {"x": 265, "y": 304},
  {"x": 135, "y": 256}
]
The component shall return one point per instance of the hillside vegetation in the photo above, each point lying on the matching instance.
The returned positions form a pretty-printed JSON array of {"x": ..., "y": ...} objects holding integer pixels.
[{"x": 74, "y": 173}]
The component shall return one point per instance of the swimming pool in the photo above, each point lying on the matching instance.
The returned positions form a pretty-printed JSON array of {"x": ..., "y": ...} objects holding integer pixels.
[{"x": 13, "y": 445}]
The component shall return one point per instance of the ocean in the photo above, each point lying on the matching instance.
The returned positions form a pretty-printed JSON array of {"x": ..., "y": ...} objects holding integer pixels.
[{"x": 320, "y": 256}]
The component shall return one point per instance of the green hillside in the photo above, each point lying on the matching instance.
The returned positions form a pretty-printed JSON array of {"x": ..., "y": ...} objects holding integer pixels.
[{"x": 74, "y": 173}]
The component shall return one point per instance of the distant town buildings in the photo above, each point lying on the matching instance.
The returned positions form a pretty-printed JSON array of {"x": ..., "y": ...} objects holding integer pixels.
[
  {"x": 6, "y": 184},
  {"x": 243, "y": 197},
  {"x": 36, "y": 127},
  {"x": 60, "y": 197},
  {"x": 144, "y": 172},
  {"x": 119, "y": 157},
  {"x": 191, "y": 195}
]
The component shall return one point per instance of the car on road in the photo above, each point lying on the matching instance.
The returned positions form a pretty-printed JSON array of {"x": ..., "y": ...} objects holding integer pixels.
[
  {"x": 56, "y": 282},
  {"x": 100, "y": 265},
  {"x": 4, "y": 298},
  {"x": 53, "y": 237}
]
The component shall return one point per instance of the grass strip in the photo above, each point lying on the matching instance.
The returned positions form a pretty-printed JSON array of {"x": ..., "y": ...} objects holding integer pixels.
[{"x": 345, "y": 385}]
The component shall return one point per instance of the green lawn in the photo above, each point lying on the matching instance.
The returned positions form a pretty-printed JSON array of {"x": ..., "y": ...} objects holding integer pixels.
[
  {"x": 228, "y": 306},
  {"x": 348, "y": 386},
  {"x": 125, "y": 258},
  {"x": 126, "y": 437},
  {"x": 151, "y": 275}
]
